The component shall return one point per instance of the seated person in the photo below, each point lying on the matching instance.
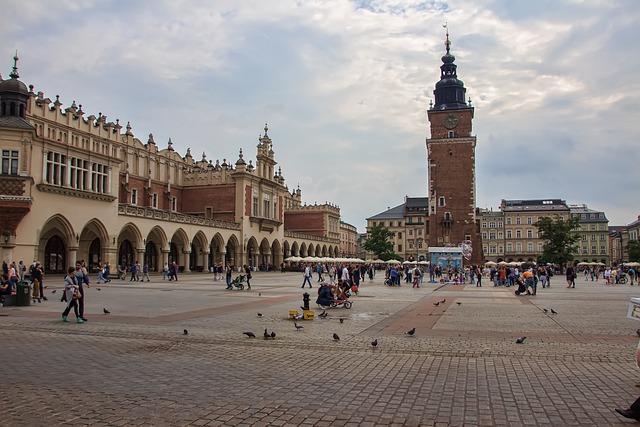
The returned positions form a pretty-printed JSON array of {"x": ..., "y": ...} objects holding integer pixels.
[{"x": 324, "y": 295}]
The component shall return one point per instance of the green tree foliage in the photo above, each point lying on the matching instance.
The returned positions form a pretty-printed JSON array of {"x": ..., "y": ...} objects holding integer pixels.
[
  {"x": 379, "y": 242},
  {"x": 634, "y": 250},
  {"x": 560, "y": 238}
]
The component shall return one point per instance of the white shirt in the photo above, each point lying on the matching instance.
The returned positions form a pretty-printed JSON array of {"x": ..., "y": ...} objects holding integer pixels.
[
  {"x": 345, "y": 274},
  {"x": 307, "y": 271}
]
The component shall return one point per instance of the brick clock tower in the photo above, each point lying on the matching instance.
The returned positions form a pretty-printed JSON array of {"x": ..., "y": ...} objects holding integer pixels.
[{"x": 451, "y": 165}]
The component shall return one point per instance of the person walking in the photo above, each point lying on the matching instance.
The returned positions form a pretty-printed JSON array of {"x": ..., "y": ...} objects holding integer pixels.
[
  {"x": 479, "y": 277},
  {"x": 247, "y": 271},
  {"x": 307, "y": 276},
  {"x": 71, "y": 296},
  {"x": 134, "y": 274},
  {"x": 571, "y": 277},
  {"x": 228, "y": 274},
  {"x": 145, "y": 272},
  {"x": 319, "y": 271},
  {"x": 82, "y": 279}
]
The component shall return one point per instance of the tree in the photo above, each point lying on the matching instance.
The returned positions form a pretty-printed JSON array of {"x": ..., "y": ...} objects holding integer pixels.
[
  {"x": 634, "y": 250},
  {"x": 560, "y": 238},
  {"x": 379, "y": 242}
]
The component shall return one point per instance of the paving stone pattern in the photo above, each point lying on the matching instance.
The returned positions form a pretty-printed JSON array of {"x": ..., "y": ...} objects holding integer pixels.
[{"x": 462, "y": 368}]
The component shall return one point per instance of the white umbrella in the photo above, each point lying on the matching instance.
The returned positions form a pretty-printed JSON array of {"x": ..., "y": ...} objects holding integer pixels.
[
  {"x": 293, "y": 259},
  {"x": 503, "y": 263},
  {"x": 393, "y": 261},
  {"x": 489, "y": 263},
  {"x": 632, "y": 264},
  {"x": 423, "y": 262}
]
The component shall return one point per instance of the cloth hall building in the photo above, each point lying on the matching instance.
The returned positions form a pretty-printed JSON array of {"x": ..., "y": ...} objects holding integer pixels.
[{"x": 79, "y": 187}]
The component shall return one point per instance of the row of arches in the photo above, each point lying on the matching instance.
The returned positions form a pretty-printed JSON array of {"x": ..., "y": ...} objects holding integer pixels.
[{"x": 59, "y": 246}]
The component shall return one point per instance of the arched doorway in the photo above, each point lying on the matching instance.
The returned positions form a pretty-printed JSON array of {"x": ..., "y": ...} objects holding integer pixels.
[
  {"x": 126, "y": 254},
  {"x": 252, "y": 252},
  {"x": 276, "y": 254},
  {"x": 95, "y": 259},
  {"x": 151, "y": 256},
  {"x": 265, "y": 255},
  {"x": 216, "y": 247},
  {"x": 55, "y": 256},
  {"x": 173, "y": 253},
  {"x": 231, "y": 255},
  {"x": 294, "y": 249}
]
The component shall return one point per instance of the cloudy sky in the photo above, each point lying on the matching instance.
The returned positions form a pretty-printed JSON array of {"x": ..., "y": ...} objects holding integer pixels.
[{"x": 345, "y": 86}]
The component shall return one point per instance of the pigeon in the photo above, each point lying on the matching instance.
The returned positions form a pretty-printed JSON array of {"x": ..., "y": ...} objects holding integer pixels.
[
  {"x": 185, "y": 332},
  {"x": 553, "y": 311},
  {"x": 520, "y": 340},
  {"x": 259, "y": 314},
  {"x": 105, "y": 311},
  {"x": 437, "y": 303},
  {"x": 259, "y": 294},
  {"x": 99, "y": 289},
  {"x": 638, "y": 332},
  {"x": 53, "y": 291},
  {"x": 341, "y": 320},
  {"x": 459, "y": 303},
  {"x": 411, "y": 332},
  {"x": 336, "y": 337},
  {"x": 298, "y": 327},
  {"x": 323, "y": 314},
  {"x": 250, "y": 334},
  {"x": 266, "y": 335},
  {"x": 374, "y": 343},
  {"x": 545, "y": 310},
  {"x": 273, "y": 335}
]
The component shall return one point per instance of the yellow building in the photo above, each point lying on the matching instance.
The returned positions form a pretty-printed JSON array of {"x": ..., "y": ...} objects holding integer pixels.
[
  {"x": 81, "y": 187},
  {"x": 348, "y": 239},
  {"x": 593, "y": 245}
]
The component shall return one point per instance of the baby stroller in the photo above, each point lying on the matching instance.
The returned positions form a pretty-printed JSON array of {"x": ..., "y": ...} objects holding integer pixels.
[
  {"x": 238, "y": 282},
  {"x": 522, "y": 287},
  {"x": 327, "y": 300}
]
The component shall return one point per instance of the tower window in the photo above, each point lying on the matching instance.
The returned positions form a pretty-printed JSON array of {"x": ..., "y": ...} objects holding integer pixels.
[
  {"x": 134, "y": 196},
  {"x": 451, "y": 134},
  {"x": 441, "y": 201},
  {"x": 447, "y": 216}
]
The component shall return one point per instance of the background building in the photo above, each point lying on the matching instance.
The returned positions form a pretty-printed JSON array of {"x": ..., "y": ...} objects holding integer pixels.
[
  {"x": 619, "y": 238},
  {"x": 79, "y": 187},
  {"x": 492, "y": 233},
  {"x": 348, "y": 240},
  {"x": 593, "y": 245},
  {"x": 408, "y": 224}
]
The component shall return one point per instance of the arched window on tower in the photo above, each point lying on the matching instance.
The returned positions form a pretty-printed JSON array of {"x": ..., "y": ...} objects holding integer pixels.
[{"x": 12, "y": 110}]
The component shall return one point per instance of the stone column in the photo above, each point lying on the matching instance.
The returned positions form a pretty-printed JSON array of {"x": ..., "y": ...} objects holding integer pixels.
[
  {"x": 205, "y": 261},
  {"x": 187, "y": 261},
  {"x": 224, "y": 259},
  {"x": 111, "y": 256},
  {"x": 140, "y": 256},
  {"x": 165, "y": 258},
  {"x": 73, "y": 256}
]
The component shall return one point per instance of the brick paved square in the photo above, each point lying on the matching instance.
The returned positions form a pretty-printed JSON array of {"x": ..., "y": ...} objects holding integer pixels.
[{"x": 134, "y": 367}]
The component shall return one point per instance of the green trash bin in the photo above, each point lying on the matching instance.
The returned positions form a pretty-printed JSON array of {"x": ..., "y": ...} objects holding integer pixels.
[{"x": 23, "y": 293}]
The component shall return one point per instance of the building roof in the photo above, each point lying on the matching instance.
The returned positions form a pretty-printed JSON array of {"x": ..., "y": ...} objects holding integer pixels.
[
  {"x": 534, "y": 205},
  {"x": 15, "y": 122},
  {"x": 417, "y": 202},
  {"x": 590, "y": 214},
  {"x": 393, "y": 213}
]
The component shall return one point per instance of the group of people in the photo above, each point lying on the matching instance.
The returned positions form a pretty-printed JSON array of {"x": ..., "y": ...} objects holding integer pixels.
[
  {"x": 13, "y": 273},
  {"x": 412, "y": 274},
  {"x": 351, "y": 274}
]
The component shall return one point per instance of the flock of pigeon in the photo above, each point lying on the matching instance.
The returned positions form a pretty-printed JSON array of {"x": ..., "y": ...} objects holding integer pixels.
[{"x": 272, "y": 335}]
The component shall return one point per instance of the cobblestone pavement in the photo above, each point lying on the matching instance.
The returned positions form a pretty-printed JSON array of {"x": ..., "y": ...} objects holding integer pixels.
[{"x": 462, "y": 367}]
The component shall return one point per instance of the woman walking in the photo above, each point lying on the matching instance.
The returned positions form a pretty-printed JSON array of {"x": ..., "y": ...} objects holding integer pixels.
[{"x": 71, "y": 295}]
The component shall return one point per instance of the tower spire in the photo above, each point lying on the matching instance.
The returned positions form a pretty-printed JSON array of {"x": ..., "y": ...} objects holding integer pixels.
[
  {"x": 447, "y": 43},
  {"x": 14, "y": 74}
]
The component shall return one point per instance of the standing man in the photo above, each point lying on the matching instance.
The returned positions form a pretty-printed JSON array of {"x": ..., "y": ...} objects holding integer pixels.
[
  {"x": 345, "y": 274},
  {"x": 307, "y": 276},
  {"x": 81, "y": 280},
  {"x": 571, "y": 277},
  {"x": 319, "y": 271}
]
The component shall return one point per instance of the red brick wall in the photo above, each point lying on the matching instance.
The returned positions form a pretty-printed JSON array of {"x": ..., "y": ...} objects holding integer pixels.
[
  {"x": 247, "y": 200},
  {"x": 464, "y": 127},
  {"x": 134, "y": 183},
  {"x": 221, "y": 198},
  {"x": 452, "y": 175},
  {"x": 305, "y": 222}
]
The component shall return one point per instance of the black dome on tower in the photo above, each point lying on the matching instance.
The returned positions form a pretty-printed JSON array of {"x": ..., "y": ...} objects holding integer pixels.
[
  {"x": 450, "y": 91},
  {"x": 13, "y": 94}
]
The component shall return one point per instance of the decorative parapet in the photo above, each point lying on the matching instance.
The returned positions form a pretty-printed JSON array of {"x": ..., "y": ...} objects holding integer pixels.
[
  {"x": 314, "y": 208},
  {"x": 6, "y": 198},
  {"x": 65, "y": 191},
  {"x": 144, "y": 212},
  {"x": 304, "y": 236}
]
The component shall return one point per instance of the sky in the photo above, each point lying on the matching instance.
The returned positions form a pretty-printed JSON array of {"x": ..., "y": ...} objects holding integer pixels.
[{"x": 345, "y": 85}]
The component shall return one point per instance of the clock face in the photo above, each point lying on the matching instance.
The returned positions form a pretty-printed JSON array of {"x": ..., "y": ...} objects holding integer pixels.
[{"x": 451, "y": 121}]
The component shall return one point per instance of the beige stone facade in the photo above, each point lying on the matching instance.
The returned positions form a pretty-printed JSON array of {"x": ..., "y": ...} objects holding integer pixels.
[
  {"x": 348, "y": 239},
  {"x": 81, "y": 187},
  {"x": 409, "y": 226},
  {"x": 510, "y": 234}
]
